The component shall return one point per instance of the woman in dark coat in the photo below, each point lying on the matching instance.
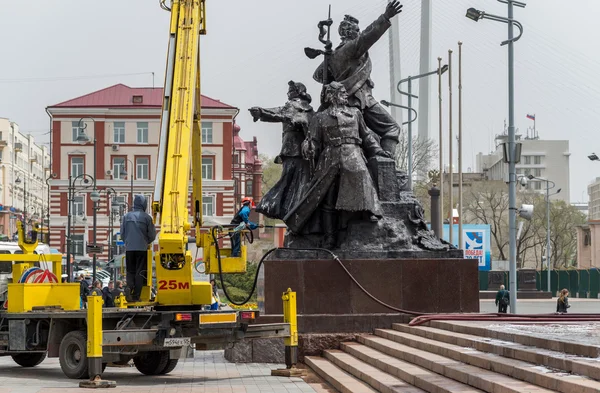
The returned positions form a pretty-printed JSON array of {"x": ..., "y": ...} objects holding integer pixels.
[{"x": 563, "y": 301}]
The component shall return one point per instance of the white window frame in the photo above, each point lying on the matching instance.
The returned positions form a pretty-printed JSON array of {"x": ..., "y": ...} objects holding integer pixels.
[
  {"x": 119, "y": 132},
  {"x": 74, "y": 130},
  {"x": 75, "y": 173},
  {"x": 118, "y": 167},
  {"x": 250, "y": 182},
  {"x": 207, "y": 132},
  {"x": 142, "y": 132},
  {"x": 208, "y": 201},
  {"x": 140, "y": 167},
  {"x": 79, "y": 205},
  {"x": 206, "y": 164}
]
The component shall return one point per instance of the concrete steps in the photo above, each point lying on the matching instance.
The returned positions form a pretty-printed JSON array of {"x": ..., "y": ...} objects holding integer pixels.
[
  {"x": 336, "y": 377},
  {"x": 459, "y": 357},
  {"x": 589, "y": 367},
  {"x": 482, "y": 379},
  {"x": 469, "y": 354}
]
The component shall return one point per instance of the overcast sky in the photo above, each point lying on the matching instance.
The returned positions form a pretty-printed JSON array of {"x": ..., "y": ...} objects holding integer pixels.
[{"x": 54, "y": 50}]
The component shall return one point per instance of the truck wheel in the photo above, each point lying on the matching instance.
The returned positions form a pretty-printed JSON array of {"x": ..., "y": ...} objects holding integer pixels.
[
  {"x": 72, "y": 355},
  {"x": 171, "y": 364},
  {"x": 29, "y": 359},
  {"x": 151, "y": 363}
]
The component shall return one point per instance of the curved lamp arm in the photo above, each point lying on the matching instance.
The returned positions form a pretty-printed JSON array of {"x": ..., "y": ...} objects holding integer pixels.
[{"x": 413, "y": 110}]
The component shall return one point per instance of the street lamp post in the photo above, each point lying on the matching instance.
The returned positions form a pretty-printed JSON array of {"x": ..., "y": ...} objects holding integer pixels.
[
  {"x": 83, "y": 179},
  {"x": 410, "y": 97},
  {"x": 83, "y": 139},
  {"x": 548, "y": 246},
  {"x": 130, "y": 174},
  {"x": 476, "y": 15}
]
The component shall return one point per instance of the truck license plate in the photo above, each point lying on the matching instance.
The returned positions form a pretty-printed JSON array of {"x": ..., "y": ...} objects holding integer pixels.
[{"x": 177, "y": 341}]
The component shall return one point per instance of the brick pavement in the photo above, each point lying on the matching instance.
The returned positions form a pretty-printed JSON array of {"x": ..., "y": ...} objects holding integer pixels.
[{"x": 208, "y": 372}]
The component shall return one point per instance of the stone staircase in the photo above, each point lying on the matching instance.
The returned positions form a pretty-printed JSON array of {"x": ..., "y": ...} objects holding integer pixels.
[{"x": 447, "y": 357}]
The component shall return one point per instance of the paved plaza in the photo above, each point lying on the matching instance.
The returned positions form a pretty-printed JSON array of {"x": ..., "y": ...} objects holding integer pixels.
[
  {"x": 208, "y": 372},
  {"x": 545, "y": 306}
]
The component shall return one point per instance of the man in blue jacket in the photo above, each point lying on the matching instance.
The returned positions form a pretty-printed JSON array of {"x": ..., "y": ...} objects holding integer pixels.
[
  {"x": 243, "y": 215},
  {"x": 138, "y": 233}
]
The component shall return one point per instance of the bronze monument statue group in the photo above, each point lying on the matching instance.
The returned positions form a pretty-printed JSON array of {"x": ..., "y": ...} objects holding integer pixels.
[{"x": 339, "y": 188}]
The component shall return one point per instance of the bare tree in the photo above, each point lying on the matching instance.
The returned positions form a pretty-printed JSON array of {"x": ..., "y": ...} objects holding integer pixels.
[
  {"x": 487, "y": 203},
  {"x": 424, "y": 151}
]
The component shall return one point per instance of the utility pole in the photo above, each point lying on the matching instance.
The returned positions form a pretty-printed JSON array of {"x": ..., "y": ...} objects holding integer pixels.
[{"x": 512, "y": 177}]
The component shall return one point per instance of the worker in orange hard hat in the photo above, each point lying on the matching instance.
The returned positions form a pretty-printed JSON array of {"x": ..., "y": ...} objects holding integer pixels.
[{"x": 243, "y": 215}]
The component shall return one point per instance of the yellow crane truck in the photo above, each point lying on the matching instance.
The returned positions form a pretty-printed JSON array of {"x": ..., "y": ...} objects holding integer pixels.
[{"x": 44, "y": 318}]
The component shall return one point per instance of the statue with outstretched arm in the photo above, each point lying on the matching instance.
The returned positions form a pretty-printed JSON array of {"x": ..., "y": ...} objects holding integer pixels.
[{"x": 295, "y": 116}]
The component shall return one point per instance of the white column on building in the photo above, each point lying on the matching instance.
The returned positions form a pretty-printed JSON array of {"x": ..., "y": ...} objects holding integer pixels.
[{"x": 424, "y": 67}]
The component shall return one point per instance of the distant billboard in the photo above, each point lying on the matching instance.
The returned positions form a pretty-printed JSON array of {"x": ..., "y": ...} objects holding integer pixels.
[{"x": 476, "y": 242}]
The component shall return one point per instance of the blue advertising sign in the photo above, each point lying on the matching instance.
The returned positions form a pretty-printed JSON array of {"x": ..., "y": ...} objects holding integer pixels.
[{"x": 477, "y": 242}]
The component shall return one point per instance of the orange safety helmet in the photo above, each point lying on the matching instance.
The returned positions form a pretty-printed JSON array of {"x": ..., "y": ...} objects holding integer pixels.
[{"x": 248, "y": 200}]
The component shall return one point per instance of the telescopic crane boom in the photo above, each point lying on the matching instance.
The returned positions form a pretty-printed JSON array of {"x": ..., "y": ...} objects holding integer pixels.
[{"x": 180, "y": 149}]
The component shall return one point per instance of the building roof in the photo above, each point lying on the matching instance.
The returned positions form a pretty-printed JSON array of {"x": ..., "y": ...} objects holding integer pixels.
[{"x": 122, "y": 96}]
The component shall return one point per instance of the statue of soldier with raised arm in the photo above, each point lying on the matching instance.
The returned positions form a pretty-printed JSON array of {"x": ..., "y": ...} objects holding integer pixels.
[{"x": 350, "y": 65}]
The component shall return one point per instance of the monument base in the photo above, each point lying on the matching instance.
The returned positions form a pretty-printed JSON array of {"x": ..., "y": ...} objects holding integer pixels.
[{"x": 324, "y": 288}]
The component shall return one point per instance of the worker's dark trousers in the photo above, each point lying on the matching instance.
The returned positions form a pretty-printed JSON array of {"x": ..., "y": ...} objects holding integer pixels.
[
  {"x": 136, "y": 264},
  {"x": 236, "y": 244},
  {"x": 502, "y": 308}
]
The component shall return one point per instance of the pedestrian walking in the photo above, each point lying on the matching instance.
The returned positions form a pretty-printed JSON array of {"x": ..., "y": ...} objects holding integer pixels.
[
  {"x": 563, "y": 301},
  {"x": 502, "y": 299},
  {"x": 107, "y": 294},
  {"x": 84, "y": 290},
  {"x": 138, "y": 233}
]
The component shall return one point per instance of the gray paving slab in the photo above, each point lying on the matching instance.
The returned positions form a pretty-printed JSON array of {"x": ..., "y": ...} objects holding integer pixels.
[{"x": 208, "y": 372}]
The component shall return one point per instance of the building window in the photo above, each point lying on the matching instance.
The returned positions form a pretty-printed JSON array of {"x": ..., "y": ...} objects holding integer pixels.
[
  {"x": 207, "y": 169},
  {"x": 527, "y": 172},
  {"x": 79, "y": 205},
  {"x": 120, "y": 201},
  {"x": 118, "y": 167},
  {"x": 538, "y": 185},
  {"x": 519, "y": 171},
  {"x": 537, "y": 172},
  {"x": 537, "y": 160},
  {"x": 119, "y": 132},
  {"x": 77, "y": 245},
  {"x": 149, "y": 202},
  {"x": 141, "y": 168},
  {"x": 527, "y": 160},
  {"x": 142, "y": 132},
  {"x": 74, "y": 130},
  {"x": 207, "y": 132},
  {"x": 249, "y": 192},
  {"x": 208, "y": 206},
  {"x": 76, "y": 166}
]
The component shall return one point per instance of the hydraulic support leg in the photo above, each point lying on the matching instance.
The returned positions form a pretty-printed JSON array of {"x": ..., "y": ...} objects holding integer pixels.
[
  {"x": 94, "y": 345},
  {"x": 94, "y": 335},
  {"x": 290, "y": 316}
]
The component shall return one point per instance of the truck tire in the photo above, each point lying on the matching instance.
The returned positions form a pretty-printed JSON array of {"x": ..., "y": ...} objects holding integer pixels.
[
  {"x": 171, "y": 364},
  {"x": 151, "y": 363},
  {"x": 72, "y": 355},
  {"x": 29, "y": 359}
]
